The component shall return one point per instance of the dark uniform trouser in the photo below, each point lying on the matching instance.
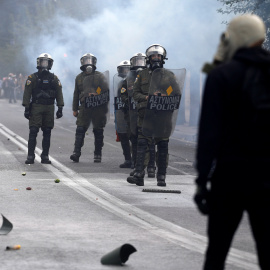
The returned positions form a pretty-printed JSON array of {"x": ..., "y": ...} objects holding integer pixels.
[
  {"x": 124, "y": 140},
  {"x": 143, "y": 150},
  {"x": 79, "y": 140},
  {"x": 227, "y": 205},
  {"x": 134, "y": 144},
  {"x": 41, "y": 116},
  {"x": 99, "y": 137},
  {"x": 83, "y": 122},
  {"x": 150, "y": 156}
]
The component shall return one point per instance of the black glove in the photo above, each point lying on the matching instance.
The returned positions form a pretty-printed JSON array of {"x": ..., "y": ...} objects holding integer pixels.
[
  {"x": 59, "y": 113},
  {"x": 201, "y": 199},
  {"x": 26, "y": 113}
]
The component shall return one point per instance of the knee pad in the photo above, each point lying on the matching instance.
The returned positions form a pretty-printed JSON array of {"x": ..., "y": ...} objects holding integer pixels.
[
  {"x": 80, "y": 130},
  {"x": 98, "y": 132},
  {"x": 162, "y": 145}
]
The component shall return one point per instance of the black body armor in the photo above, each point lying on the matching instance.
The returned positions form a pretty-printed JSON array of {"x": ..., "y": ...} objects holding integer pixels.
[{"x": 45, "y": 90}]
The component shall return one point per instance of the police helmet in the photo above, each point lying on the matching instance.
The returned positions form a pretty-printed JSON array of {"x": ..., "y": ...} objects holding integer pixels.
[
  {"x": 138, "y": 60},
  {"x": 156, "y": 49},
  {"x": 88, "y": 59},
  {"x": 123, "y": 68},
  {"x": 44, "y": 61}
]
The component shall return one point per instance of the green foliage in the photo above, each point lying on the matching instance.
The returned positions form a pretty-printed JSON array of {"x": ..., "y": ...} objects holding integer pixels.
[{"x": 258, "y": 7}]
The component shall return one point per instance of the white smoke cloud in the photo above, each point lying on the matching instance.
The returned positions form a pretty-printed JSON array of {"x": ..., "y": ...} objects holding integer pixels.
[{"x": 188, "y": 29}]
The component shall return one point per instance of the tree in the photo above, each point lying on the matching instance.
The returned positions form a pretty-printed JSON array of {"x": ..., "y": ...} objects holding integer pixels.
[
  {"x": 258, "y": 7},
  {"x": 22, "y": 20}
]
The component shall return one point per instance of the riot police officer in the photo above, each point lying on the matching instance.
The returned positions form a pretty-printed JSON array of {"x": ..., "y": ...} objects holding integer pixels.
[
  {"x": 138, "y": 63},
  {"x": 157, "y": 81},
  {"x": 121, "y": 116},
  {"x": 88, "y": 85},
  {"x": 41, "y": 90}
]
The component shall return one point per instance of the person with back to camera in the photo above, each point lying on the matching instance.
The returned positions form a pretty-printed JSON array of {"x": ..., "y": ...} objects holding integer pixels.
[{"x": 233, "y": 148}]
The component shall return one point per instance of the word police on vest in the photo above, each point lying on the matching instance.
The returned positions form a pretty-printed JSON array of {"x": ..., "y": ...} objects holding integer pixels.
[
  {"x": 163, "y": 103},
  {"x": 118, "y": 104},
  {"x": 97, "y": 100}
]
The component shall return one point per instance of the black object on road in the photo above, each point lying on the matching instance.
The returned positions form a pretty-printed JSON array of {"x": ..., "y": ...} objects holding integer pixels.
[
  {"x": 161, "y": 190},
  {"x": 6, "y": 226},
  {"x": 118, "y": 256}
]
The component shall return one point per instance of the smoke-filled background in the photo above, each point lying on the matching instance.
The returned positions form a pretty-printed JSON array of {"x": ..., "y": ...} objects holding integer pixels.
[{"x": 112, "y": 30}]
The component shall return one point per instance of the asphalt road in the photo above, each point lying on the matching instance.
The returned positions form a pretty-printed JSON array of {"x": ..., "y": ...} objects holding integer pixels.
[{"x": 93, "y": 210}]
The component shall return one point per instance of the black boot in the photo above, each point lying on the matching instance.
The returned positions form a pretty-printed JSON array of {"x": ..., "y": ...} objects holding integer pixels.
[
  {"x": 126, "y": 164},
  {"x": 46, "y": 142},
  {"x": 162, "y": 162},
  {"x": 79, "y": 140},
  {"x": 126, "y": 150},
  {"x": 161, "y": 180},
  {"x": 98, "y": 144},
  {"x": 33, "y": 131},
  {"x": 131, "y": 178},
  {"x": 138, "y": 177}
]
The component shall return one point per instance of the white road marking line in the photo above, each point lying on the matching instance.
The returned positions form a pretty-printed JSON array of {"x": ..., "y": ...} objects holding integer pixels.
[
  {"x": 175, "y": 169},
  {"x": 153, "y": 224}
]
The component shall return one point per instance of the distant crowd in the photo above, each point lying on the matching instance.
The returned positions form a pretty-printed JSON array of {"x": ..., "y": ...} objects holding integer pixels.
[{"x": 12, "y": 87}]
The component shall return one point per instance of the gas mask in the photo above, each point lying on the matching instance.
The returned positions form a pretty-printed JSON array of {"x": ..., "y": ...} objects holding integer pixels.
[
  {"x": 88, "y": 69},
  {"x": 44, "y": 62},
  {"x": 156, "y": 61},
  {"x": 223, "y": 48},
  {"x": 242, "y": 32}
]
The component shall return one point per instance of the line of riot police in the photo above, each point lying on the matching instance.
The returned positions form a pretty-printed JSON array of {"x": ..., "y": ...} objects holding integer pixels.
[
  {"x": 147, "y": 99},
  {"x": 146, "y": 102}
]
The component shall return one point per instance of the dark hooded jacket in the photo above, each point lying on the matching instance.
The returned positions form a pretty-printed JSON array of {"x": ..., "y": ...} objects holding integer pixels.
[{"x": 227, "y": 135}]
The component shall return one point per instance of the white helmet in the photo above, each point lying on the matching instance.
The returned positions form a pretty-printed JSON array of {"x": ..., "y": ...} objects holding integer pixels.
[
  {"x": 123, "y": 68},
  {"x": 138, "y": 60},
  {"x": 88, "y": 59},
  {"x": 44, "y": 61},
  {"x": 242, "y": 32},
  {"x": 156, "y": 49}
]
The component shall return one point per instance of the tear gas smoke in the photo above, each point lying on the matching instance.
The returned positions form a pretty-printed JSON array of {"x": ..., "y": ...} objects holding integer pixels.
[{"x": 188, "y": 29}]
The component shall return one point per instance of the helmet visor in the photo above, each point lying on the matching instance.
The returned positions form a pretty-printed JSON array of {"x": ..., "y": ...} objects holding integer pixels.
[
  {"x": 44, "y": 63},
  {"x": 156, "y": 49},
  {"x": 138, "y": 61},
  {"x": 123, "y": 70},
  {"x": 86, "y": 60}
]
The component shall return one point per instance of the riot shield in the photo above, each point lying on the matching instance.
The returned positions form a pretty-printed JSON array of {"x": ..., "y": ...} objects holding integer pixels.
[
  {"x": 163, "y": 102},
  {"x": 133, "y": 114},
  {"x": 97, "y": 98},
  {"x": 120, "y": 122}
]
